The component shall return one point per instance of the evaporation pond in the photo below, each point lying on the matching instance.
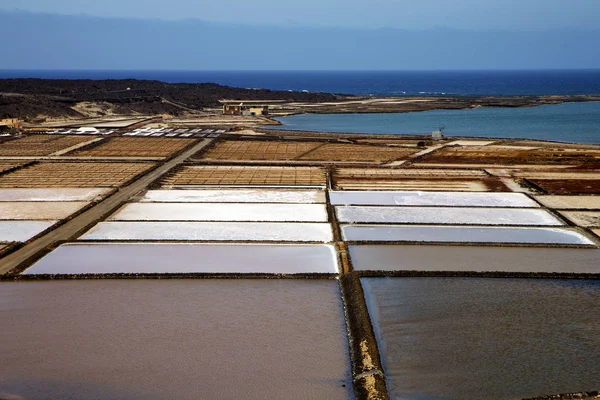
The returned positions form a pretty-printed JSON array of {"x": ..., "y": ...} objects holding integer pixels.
[
  {"x": 583, "y": 218},
  {"x": 52, "y": 194},
  {"x": 469, "y": 338},
  {"x": 446, "y": 215},
  {"x": 21, "y": 231},
  {"x": 39, "y": 210},
  {"x": 139, "y": 258},
  {"x": 225, "y": 231},
  {"x": 570, "y": 202},
  {"x": 235, "y": 196},
  {"x": 457, "y": 199},
  {"x": 221, "y": 212},
  {"x": 474, "y": 258},
  {"x": 429, "y": 233},
  {"x": 173, "y": 339}
]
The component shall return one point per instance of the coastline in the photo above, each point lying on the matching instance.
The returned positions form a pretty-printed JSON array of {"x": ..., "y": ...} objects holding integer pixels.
[
  {"x": 406, "y": 104},
  {"x": 39, "y": 100}
]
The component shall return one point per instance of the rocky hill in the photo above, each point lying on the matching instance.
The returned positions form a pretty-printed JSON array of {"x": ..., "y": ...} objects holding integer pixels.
[{"x": 38, "y": 98}]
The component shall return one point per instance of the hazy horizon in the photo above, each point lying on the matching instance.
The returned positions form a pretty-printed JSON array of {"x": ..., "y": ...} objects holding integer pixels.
[
  {"x": 514, "y": 15},
  {"x": 66, "y": 42}
]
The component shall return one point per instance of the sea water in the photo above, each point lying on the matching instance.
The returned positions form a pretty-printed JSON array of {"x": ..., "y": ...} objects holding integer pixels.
[{"x": 568, "y": 122}]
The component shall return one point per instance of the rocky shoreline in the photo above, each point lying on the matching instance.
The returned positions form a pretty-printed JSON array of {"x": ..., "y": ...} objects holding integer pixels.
[
  {"x": 57, "y": 98},
  {"x": 37, "y": 100}
]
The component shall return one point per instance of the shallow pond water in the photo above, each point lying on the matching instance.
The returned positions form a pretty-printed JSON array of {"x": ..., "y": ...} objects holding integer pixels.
[
  {"x": 173, "y": 339},
  {"x": 223, "y": 231},
  {"x": 474, "y": 258},
  {"x": 53, "y": 194},
  {"x": 446, "y": 215},
  {"x": 455, "y": 199},
  {"x": 235, "y": 196},
  {"x": 30, "y": 210},
  {"x": 466, "y": 234},
  {"x": 465, "y": 338},
  {"x": 221, "y": 212},
  {"x": 21, "y": 231},
  {"x": 106, "y": 258}
]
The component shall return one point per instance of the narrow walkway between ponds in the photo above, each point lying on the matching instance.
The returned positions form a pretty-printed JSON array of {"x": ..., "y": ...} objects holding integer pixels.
[{"x": 83, "y": 221}]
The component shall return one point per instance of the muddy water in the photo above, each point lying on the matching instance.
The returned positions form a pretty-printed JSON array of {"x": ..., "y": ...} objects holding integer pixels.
[
  {"x": 446, "y": 215},
  {"x": 403, "y": 233},
  {"x": 432, "y": 199},
  {"x": 97, "y": 258},
  {"x": 473, "y": 258},
  {"x": 486, "y": 338},
  {"x": 191, "y": 339}
]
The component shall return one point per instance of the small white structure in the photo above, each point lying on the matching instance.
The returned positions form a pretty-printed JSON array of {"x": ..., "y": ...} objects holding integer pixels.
[
  {"x": 437, "y": 135},
  {"x": 87, "y": 129}
]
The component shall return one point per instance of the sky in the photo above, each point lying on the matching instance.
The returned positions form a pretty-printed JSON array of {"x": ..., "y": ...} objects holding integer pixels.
[
  {"x": 300, "y": 35},
  {"x": 403, "y": 14}
]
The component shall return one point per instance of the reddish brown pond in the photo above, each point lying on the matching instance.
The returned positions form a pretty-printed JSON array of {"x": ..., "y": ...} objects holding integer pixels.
[{"x": 173, "y": 339}]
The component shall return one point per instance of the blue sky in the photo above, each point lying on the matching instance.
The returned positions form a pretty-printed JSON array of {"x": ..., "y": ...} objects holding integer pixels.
[
  {"x": 299, "y": 35},
  {"x": 404, "y": 14}
]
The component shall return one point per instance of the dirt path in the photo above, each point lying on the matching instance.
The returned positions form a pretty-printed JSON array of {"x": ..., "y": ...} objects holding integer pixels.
[{"x": 81, "y": 223}]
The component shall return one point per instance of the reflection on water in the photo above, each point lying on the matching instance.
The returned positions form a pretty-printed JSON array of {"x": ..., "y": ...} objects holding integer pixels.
[
  {"x": 160, "y": 258},
  {"x": 474, "y": 258},
  {"x": 173, "y": 339},
  {"x": 480, "y": 234},
  {"x": 452, "y": 199},
  {"x": 230, "y": 231},
  {"x": 446, "y": 215},
  {"x": 569, "y": 122},
  {"x": 461, "y": 338}
]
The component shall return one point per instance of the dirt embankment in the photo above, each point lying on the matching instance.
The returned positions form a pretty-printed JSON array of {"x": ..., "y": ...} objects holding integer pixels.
[{"x": 410, "y": 104}]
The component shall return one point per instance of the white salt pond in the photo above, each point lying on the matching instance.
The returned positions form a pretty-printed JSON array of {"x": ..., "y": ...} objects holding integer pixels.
[
  {"x": 456, "y": 199},
  {"x": 52, "y": 194},
  {"x": 207, "y": 231},
  {"x": 501, "y": 339},
  {"x": 446, "y": 215},
  {"x": 139, "y": 258},
  {"x": 464, "y": 234},
  {"x": 234, "y": 196},
  {"x": 221, "y": 212},
  {"x": 570, "y": 202},
  {"x": 474, "y": 258},
  {"x": 22, "y": 231},
  {"x": 39, "y": 210},
  {"x": 174, "y": 339}
]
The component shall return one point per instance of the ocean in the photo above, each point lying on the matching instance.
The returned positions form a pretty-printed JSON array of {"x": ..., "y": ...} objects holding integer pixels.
[
  {"x": 364, "y": 83},
  {"x": 577, "y": 122}
]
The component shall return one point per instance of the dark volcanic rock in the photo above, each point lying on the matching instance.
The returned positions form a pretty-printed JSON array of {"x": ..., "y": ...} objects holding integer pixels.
[{"x": 54, "y": 97}]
